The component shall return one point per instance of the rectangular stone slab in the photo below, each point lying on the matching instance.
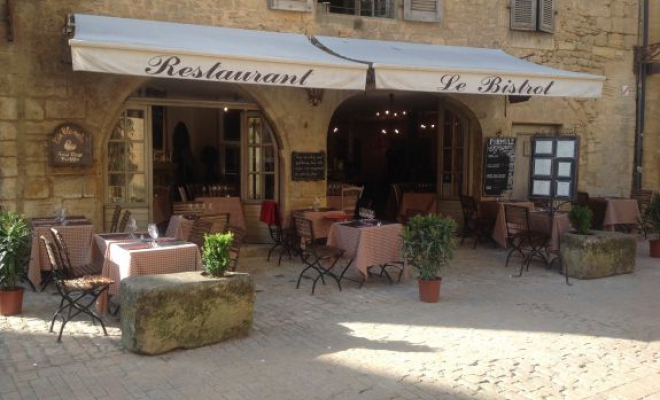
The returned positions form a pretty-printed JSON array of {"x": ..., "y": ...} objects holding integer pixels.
[
  {"x": 164, "y": 312},
  {"x": 598, "y": 255}
]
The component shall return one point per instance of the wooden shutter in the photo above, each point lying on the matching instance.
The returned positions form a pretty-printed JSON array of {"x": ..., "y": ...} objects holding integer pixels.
[
  {"x": 291, "y": 5},
  {"x": 422, "y": 10},
  {"x": 546, "y": 15},
  {"x": 523, "y": 15}
]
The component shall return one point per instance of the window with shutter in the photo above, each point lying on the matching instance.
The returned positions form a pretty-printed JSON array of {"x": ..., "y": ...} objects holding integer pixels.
[
  {"x": 546, "y": 15},
  {"x": 422, "y": 10},
  {"x": 523, "y": 15},
  {"x": 291, "y": 5}
]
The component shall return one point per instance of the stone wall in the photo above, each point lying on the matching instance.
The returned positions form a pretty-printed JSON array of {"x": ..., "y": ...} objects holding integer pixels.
[
  {"x": 38, "y": 90},
  {"x": 651, "y": 147}
]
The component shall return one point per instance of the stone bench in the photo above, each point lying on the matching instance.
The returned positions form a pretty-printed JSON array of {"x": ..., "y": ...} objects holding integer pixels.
[
  {"x": 160, "y": 313},
  {"x": 598, "y": 255}
]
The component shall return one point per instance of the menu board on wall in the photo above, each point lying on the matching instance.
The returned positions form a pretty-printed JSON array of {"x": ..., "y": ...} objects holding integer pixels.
[
  {"x": 553, "y": 168},
  {"x": 500, "y": 154},
  {"x": 307, "y": 166}
]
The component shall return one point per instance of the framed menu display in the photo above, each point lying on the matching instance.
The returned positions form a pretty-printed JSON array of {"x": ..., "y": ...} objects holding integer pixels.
[{"x": 553, "y": 167}]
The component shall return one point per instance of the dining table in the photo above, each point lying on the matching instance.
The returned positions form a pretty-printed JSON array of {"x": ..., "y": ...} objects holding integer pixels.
[
  {"x": 425, "y": 202},
  {"x": 618, "y": 211},
  {"x": 223, "y": 204},
  {"x": 179, "y": 227},
  {"x": 368, "y": 244},
  {"x": 77, "y": 232},
  {"x": 128, "y": 257},
  {"x": 495, "y": 209},
  {"x": 322, "y": 219}
]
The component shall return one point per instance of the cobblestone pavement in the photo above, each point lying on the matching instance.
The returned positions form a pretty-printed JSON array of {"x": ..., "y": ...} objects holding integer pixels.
[{"x": 490, "y": 337}]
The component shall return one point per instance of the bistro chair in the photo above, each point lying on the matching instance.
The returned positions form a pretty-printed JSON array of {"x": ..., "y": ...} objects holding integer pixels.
[
  {"x": 598, "y": 209},
  {"x": 200, "y": 228},
  {"x": 527, "y": 243},
  {"x": 182, "y": 194},
  {"x": 349, "y": 197},
  {"x": 79, "y": 294},
  {"x": 235, "y": 249},
  {"x": 75, "y": 271},
  {"x": 643, "y": 198},
  {"x": 318, "y": 259},
  {"x": 479, "y": 228},
  {"x": 220, "y": 222},
  {"x": 124, "y": 221},
  {"x": 282, "y": 237},
  {"x": 115, "y": 219}
]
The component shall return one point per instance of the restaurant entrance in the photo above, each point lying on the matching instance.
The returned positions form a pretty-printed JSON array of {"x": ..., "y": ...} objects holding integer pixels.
[
  {"x": 169, "y": 149},
  {"x": 395, "y": 142}
]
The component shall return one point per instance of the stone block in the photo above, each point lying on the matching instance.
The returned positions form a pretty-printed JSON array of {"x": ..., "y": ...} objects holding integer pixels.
[
  {"x": 7, "y": 189},
  {"x": 7, "y": 131},
  {"x": 598, "y": 255},
  {"x": 185, "y": 310},
  {"x": 64, "y": 109},
  {"x": 33, "y": 109},
  {"x": 36, "y": 188},
  {"x": 8, "y": 108}
]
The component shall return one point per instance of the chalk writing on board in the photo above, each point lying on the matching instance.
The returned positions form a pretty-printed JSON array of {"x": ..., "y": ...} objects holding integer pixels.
[
  {"x": 308, "y": 166},
  {"x": 498, "y": 165}
]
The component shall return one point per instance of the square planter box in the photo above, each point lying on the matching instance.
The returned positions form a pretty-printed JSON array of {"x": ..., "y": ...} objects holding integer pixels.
[{"x": 599, "y": 254}]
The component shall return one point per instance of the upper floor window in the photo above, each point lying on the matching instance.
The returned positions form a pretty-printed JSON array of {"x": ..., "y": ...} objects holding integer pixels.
[
  {"x": 533, "y": 15},
  {"x": 364, "y": 8}
]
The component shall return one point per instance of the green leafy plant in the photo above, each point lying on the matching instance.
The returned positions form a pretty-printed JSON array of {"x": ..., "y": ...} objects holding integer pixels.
[
  {"x": 652, "y": 215},
  {"x": 428, "y": 244},
  {"x": 580, "y": 217},
  {"x": 15, "y": 247},
  {"x": 216, "y": 252}
]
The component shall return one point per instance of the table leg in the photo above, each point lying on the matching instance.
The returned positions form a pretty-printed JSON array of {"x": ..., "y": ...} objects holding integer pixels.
[{"x": 102, "y": 303}]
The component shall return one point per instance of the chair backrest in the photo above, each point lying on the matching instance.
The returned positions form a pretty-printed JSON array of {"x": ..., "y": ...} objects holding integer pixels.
[
  {"x": 643, "y": 197},
  {"x": 220, "y": 222},
  {"x": 124, "y": 221},
  {"x": 182, "y": 193},
  {"x": 200, "y": 228},
  {"x": 115, "y": 219},
  {"x": 235, "y": 249},
  {"x": 350, "y": 196},
  {"x": 304, "y": 230},
  {"x": 516, "y": 218},
  {"x": 60, "y": 260},
  {"x": 598, "y": 210},
  {"x": 469, "y": 207},
  {"x": 582, "y": 198}
]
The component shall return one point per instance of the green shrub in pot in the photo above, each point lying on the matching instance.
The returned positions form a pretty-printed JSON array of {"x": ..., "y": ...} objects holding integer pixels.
[
  {"x": 216, "y": 253},
  {"x": 429, "y": 244},
  {"x": 15, "y": 247},
  {"x": 580, "y": 217}
]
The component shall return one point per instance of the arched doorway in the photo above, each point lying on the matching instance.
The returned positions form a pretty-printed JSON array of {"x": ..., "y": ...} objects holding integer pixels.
[
  {"x": 175, "y": 141},
  {"x": 416, "y": 142}
]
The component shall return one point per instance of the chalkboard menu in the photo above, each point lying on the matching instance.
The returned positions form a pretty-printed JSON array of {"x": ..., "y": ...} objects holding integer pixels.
[
  {"x": 499, "y": 160},
  {"x": 553, "y": 167},
  {"x": 308, "y": 166},
  {"x": 71, "y": 145}
]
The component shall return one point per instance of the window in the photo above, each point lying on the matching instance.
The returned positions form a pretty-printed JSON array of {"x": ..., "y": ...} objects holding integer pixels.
[
  {"x": 364, "y": 8},
  {"x": 532, "y": 15},
  {"x": 127, "y": 159},
  {"x": 291, "y": 5},
  {"x": 422, "y": 10},
  {"x": 261, "y": 165},
  {"x": 453, "y": 146}
]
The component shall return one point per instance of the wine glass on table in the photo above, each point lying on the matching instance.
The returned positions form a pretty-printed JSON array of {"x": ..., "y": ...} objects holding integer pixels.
[
  {"x": 153, "y": 232},
  {"x": 132, "y": 227}
]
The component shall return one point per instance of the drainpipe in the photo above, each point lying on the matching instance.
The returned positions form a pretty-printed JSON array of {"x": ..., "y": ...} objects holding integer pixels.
[{"x": 641, "y": 103}]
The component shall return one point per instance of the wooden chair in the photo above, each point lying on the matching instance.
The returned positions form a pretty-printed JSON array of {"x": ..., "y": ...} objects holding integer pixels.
[
  {"x": 124, "y": 221},
  {"x": 189, "y": 208},
  {"x": 79, "y": 294},
  {"x": 235, "y": 250},
  {"x": 63, "y": 250},
  {"x": 481, "y": 229},
  {"x": 200, "y": 228},
  {"x": 220, "y": 222},
  {"x": 349, "y": 197},
  {"x": 318, "y": 259},
  {"x": 115, "y": 219},
  {"x": 282, "y": 237},
  {"x": 527, "y": 243}
]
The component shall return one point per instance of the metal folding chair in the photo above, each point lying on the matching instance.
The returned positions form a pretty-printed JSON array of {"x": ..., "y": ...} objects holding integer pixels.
[
  {"x": 79, "y": 294},
  {"x": 527, "y": 243},
  {"x": 124, "y": 221},
  {"x": 481, "y": 229},
  {"x": 115, "y": 219},
  {"x": 200, "y": 228},
  {"x": 235, "y": 249},
  {"x": 315, "y": 255}
]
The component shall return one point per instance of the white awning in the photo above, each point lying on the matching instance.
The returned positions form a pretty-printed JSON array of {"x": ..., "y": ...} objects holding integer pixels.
[
  {"x": 209, "y": 53},
  {"x": 448, "y": 69}
]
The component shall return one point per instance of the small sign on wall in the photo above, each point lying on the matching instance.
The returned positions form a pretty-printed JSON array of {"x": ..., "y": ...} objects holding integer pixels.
[
  {"x": 71, "y": 146},
  {"x": 308, "y": 166}
]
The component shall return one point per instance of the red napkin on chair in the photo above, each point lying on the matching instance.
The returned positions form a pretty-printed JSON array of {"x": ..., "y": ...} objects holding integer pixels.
[{"x": 269, "y": 212}]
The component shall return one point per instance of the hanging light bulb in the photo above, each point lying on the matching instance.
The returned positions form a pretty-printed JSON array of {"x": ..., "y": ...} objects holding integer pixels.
[
  {"x": 336, "y": 129},
  {"x": 396, "y": 131},
  {"x": 383, "y": 131},
  {"x": 226, "y": 109}
]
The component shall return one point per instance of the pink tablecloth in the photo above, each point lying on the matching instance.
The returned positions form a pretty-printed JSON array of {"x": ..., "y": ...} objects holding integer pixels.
[
  {"x": 555, "y": 226},
  {"x": 619, "y": 212},
  {"x": 499, "y": 230},
  {"x": 320, "y": 224},
  {"x": 231, "y": 205},
  {"x": 179, "y": 227},
  {"x": 368, "y": 246},
  {"x": 78, "y": 238},
  {"x": 417, "y": 201},
  {"x": 135, "y": 258},
  {"x": 333, "y": 202}
]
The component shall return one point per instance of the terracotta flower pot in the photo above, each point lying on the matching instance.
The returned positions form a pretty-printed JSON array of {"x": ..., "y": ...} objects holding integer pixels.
[
  {"x": 11, "y": 301},
  {"x": 654, "y": 248},
  {"x": 429, "y": 291}
]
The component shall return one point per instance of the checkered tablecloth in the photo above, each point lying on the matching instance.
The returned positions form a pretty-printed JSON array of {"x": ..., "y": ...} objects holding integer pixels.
[
  {"x": 499, "y": 230},
  {"x": 78, "y": 237},
  {"x": 179, "y": 227},
  {"x": 320, "y": 223},
  {"x": 417, "y": 201},
  {"x": 555, "y": 226},
  {"x": 368, "y": 246},
  {"x": 124, "y": 259}
]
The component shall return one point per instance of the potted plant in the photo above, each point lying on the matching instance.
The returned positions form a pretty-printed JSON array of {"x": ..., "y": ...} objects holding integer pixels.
[
  {"x": 216, "y": 253},
  {"x": 428, "y": 245},
  {"x": 652, "y": 218},
  {"x": 15, "y": 247},
  {"x": 580, "y": 217}
]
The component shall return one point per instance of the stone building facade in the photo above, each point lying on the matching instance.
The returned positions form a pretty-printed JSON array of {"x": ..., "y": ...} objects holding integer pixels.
[
  {"x": 651, "y": 132},
  {"x": 39, "y": 90}
]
